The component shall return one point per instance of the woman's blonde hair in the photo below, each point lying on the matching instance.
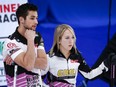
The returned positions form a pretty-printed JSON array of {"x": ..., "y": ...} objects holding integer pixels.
[{"x": 59, "y": 31}]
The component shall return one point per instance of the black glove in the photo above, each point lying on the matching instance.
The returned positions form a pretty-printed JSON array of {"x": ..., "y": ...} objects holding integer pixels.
[
  {"x": 110, "y": 60},
  {"x": 113, "y": 61},
  {"x": 76, "y": 57}
]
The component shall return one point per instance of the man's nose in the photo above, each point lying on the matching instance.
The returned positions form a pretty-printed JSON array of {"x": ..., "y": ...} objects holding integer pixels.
[{"x": 36, "y": 21}]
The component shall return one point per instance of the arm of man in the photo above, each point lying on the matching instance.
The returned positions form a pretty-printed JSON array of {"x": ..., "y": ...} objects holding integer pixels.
[
  {"x": 25, "y": 59},
  {"x": 41, "y": 60}
]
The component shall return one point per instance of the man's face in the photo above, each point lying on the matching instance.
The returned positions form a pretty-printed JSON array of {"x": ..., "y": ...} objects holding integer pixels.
[{"x": 31, "y": 20}]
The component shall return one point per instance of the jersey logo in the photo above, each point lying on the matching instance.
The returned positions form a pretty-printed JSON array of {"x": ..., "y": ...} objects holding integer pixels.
[
  {"x": 11, "y": 45},
  {"x": 66, "y": 72}
]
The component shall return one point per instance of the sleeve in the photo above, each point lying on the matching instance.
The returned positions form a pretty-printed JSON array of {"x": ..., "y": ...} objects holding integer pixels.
[
  {"x": 10, "y": 48},
  {"x": 41, "y": 44},
  {"x": 83, "y": 65},
  {"x": 39, "y": 41},
  {"x": 89, "y": 73}
]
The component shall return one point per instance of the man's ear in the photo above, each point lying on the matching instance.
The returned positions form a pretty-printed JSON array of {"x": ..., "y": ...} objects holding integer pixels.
[{"x": 21, "y": 19}]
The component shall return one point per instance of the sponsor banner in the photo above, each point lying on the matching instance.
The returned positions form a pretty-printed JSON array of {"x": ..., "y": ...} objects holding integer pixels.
[
  {"x": 8, "y": 24},
  {"x": 2, "y": 72},
  {"x": 8, "y": 20}
]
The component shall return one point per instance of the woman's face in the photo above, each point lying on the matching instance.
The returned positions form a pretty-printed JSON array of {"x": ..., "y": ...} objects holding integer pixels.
[{"x": 67, "y": 41}]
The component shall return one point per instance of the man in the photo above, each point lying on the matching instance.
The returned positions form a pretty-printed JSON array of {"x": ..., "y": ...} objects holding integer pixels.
[{"x": 25, "y": 48}]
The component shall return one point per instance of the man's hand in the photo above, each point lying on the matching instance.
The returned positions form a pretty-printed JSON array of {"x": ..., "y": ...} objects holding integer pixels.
[
  {"x": 30, "y": 34},
  {"x": 8, "y": 60}
]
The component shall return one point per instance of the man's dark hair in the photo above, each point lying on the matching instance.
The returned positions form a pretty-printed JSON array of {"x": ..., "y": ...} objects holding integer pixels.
[{"x": 23, "y": 9}]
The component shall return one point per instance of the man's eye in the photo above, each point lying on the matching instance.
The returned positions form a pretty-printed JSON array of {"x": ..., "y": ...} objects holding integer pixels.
[{"x": 32, "y": 18}]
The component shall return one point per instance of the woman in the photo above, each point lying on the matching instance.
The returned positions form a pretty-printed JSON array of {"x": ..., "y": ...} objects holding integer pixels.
[{"x": 65, "y": 60}]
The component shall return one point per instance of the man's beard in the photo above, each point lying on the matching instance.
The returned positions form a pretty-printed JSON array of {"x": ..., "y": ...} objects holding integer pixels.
[{"x": 27, "y": 28}]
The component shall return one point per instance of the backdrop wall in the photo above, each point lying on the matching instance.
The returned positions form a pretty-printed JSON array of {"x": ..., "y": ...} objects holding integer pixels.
[{"x": 90, "y": 20}]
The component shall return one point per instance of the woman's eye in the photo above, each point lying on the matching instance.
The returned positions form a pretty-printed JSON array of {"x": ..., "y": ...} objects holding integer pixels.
[
  {"x": 67, "y": 37},
  {"x": 73, "y": 37}
]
